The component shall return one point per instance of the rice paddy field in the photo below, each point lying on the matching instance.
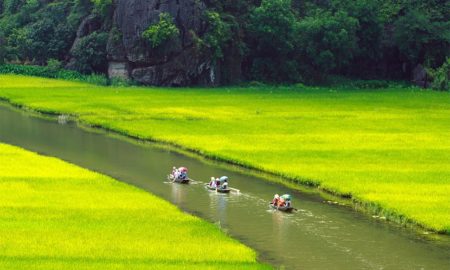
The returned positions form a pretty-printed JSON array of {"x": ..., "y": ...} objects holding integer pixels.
[
  {"x": 55, "y": 215},
  {"x": 388, "y": 148}
]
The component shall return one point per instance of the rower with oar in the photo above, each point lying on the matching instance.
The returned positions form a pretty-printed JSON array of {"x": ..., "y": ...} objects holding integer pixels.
[
  {"x": 220, "y": 185},
  {"x": 282, "y": 203},
  {"x": 179, "y": 175}
]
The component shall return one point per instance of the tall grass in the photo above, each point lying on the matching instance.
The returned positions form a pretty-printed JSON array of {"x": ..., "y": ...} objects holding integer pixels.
[
  {"x": 387, "y": 147},
  {"x": 50, "y": 72},
  {"x": 55, "y": 215}
]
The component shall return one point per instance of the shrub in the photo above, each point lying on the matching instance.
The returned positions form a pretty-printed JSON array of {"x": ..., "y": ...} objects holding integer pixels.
[
  {"x": 441, "y": 76},
  {"x": 370, "y": 84},
  {"x": 49, "y": 72},
  {"x": 54, "y": 65},
  {"x": 162, "y": 31},
  {"x": 90, "y": 53},
  {"x": 121, "y": 82},
  {"x": 102, "y": 7}
]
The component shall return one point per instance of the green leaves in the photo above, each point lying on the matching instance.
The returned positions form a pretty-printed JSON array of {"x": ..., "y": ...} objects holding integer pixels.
[
  {"x": 90, "y": 53},
  {"x": 102, "y": 7},
  {"x": 162, "y": 31},
  {"x": 218, "y": 33},
  {"x": 328, "y": 40},
  {"x": 272, "y": 29},
  {"x": 441, "y": 76}
]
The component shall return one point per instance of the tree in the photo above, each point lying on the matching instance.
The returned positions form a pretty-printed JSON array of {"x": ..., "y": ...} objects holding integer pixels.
[
  {"x": 2, "y": 48},
  {"x": 327, "y": 42},
  {"x": 421, "y": 40},
  {"x": 162, "y": 31},
  {"x": 90, "y": 53},
  {"x": 217, "y": 34},
  {"x": 368, "y": 38},
  {"x": 272, "y": 31}
]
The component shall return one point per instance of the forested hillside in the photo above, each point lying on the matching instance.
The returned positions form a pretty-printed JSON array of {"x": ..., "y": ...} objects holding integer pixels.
[{"x": 213, "y": 42}]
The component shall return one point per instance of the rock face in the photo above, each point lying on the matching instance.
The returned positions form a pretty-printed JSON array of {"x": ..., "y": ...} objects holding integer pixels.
[
  {"x": 176, "y": 63},
  {"x": 118, "y": 70}
]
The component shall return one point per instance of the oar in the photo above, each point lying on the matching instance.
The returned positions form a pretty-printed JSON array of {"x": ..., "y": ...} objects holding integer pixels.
[{"x": 235, "y": 190}]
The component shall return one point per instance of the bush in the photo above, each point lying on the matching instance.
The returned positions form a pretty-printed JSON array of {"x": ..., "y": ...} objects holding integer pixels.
[
  {"x": 370, "y": 84},
  {"x": 441, "y": 76},
  {"x": 54, "y": 65},
  {"x": 353, "y": 83},
  {"x": 49, "y": 72},
  {"x": 162, "y": 31},
  {"x": 121, "y": 82},
  {"x": 102, "y": 7},
  {"x": 90, "y": 53}
]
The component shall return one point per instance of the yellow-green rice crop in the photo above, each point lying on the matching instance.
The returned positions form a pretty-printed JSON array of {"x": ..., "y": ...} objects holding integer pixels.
[
  {"x": 54, "y": 215},
  {"x": 389, "y": 147}
]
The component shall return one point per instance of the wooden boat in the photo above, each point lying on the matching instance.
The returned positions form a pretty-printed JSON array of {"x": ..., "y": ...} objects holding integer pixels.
[
  {"x": 220, "y": 190},
  {"x": 177, "y": 180},
  {"x": 287, "y": 209}
]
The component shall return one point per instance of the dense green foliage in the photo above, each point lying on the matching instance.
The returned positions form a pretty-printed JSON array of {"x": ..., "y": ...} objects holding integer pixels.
[
  {"x": 273, "y": 29},
  {"x": 90, "y": 53},
  {"x": 36, "y": 33},
  {"x": 388, "y": 147},
  {"x": 162, "y": 31},
  {"x": 327, "y": 41},
  {"x": 102, "y": 7},
  {"x": 53, "y": 70},
  {"x": 58, "y": 216},
  {"x": 441, "y": 76},
  {"x": 278, "y": 40},
  {"x": 217, "y": 35},
  {"x": 362, "y": 38}
]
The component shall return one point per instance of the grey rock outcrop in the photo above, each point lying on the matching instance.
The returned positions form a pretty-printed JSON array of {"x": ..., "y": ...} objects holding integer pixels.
[{"x": 177, "y": 63}]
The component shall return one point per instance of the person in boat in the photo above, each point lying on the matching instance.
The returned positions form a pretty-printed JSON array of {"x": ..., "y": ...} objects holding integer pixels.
[
  {"x": 182, "y": 173},
  {"x": 217, "y": 182},
  {"x": 281, "y": 202},
  {"x": 223, "y": 182},
  {"x": 213, "y": 183},
  {"x": 286, "y": 199},
  {"x": 175, "y": 172},
  {"x": 276, "y": 197}
]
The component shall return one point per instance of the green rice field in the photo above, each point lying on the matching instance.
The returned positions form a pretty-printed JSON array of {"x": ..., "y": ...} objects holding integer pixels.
[
  {"x": 389, "y": 148},
  {"x": 55, "y": 215}
]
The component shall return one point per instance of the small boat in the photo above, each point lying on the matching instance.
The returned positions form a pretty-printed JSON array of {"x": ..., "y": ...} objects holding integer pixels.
[
  {"x": 178, "y": 180},
  {"x": 220, "y": 190},
  {"x": 287, "y": 209}
]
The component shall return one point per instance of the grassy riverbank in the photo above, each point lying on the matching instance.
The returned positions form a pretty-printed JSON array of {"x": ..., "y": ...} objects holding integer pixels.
[
  {"x": 386, "y": 147},
  {"x": 55, "y": 215}
]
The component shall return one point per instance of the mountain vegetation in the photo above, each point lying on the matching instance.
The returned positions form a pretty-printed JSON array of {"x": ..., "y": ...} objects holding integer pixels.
[{"x": 281, "y": 41}]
